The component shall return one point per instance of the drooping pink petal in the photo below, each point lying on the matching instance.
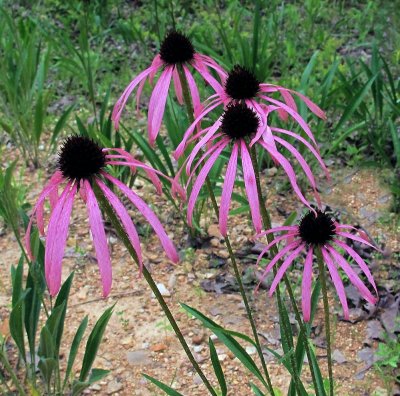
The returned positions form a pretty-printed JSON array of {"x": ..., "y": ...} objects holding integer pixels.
[
  {"x": 200, "y": 181},
  {"x": 272, "y": 243},
  {"x": 139, "y": 94},
  {"x": 295, "y": 115},
  {"x": 308, "y": 145},
  {"x": 149, "y": 215},
  {"x": 251, "y": 187},
  {"x": 157, "y": 104},
  {"x": 203, "y": 71},
  {"x": 290, "y": 173},
  {"x": 194, "y": 92},
  {"x": 227, "y": 189},
  {"x": 306, "y": 285},
  {"x": 40, "y": 219},
  {"x": 177, "y": 86},
  {"x": 207, "y": 60},
  {"x": 57, "y": 235},
  {"x": 293, "y": 228},
  {"x": 201, "y": 143},
  {"x": 277, "y": 257},
  {"x": 125, "y": 220},
  {"x": 355, "y": 238},
  {"x": 182, "y": 145},
  {"x": 285, "y": 265},
  {"x": 119, "y": 106},
  {"x": 206, "y": 154},
  {"x": 337, "y": 281},
  {"x": 99, "y": 239},
  {"x": 52, "y": 185},
  {"x": 354, "y": 279},
  {"x": 356, "y": 257}
]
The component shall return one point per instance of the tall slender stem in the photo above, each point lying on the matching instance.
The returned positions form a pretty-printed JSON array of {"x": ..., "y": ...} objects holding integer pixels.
[
  {"x": 122, "y": 234},
  {"x": 267, "y": 225},
  {"x": 242, "y": 291},
  {"x": 322, "y": 276},
  {"x": 189, "y": 108}
]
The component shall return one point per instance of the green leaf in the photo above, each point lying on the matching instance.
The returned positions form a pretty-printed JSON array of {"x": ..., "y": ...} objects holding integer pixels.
[
  {"x": 75, "y": 347},
  {"x": 17, "y": 275},
  {"x": 396, "y": 141},
  {"x": 93, "y": 343},
  {"x": 38, "y": 120},
  {"x": 62, "y": 300},
  {"x": 167, "y": 389},
  {"x": 60, "y": 124},
  {"x": 256, "y": 390},
  {"x": 217, "y": 368},
  {"x": 16, "y": 324}
]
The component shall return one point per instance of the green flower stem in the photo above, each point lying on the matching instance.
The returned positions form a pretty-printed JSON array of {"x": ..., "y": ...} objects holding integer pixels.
[
  {"x": 189, "y": 108},
  {"x": 267, "y": 225},
  {"x": 322, "y": 276},
  {"x": 122, "y": 234},
  {"x": 242, "y": 292}
]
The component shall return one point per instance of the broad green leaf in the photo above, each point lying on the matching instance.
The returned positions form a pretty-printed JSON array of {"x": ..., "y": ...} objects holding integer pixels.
[
  {"x": 16, "y": 324},
  {"x": 93, "y": 343}
]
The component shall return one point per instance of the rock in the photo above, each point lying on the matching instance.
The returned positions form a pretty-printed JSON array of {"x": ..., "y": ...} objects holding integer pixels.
[
  {"x": 251, "y": 350},
  {"x": 172, "y": 282},
  {"x": 198, "y": 348},
  {"x": 213, "y": 231},
  {"x": 222, "y": 357},
  {"x": 163, "y": 290},
  {"x": 338, "y": 357},
  {"x": 139, "y": 357},
  {"x": 198, "y": 339},
  {"x": 113, "y": 387},
  {"x": 158, "y": 347},
  {"x": 222, "y": 253},
  {"x": 272, "y": 171}
]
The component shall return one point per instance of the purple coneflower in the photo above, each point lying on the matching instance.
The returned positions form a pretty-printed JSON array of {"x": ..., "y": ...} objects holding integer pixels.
[
  {"x": 81, "y": 163},
  {"x": 242, "y": 86},
  {"x": 238, "y": 126},
  {"x": 176, "y": 49},
  {"x": 319, "y": 230}
]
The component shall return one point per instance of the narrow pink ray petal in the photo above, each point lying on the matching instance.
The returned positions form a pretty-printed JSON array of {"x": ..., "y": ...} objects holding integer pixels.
[
  {"x": 278, "y": 229},
  {"x": 287, "y": 97},
  {"x": 274, "y": 242},
  {"x": 182, "y": 145},
  {"x": 263, "y": 127},
  {"x": 39, "y": 218},
  {"x": 149, "y": 215},
  {"x": 354, "y": 279},
  {"x": 156, "y": 64},
  {"x": 139, "y": 94},
  {"x": 337, "y": 281},
  {"x": 277, "y": 257},
  {"x": 201, "y": 143},
  {"x": 206, "y": 154},
  {"x": 301, "y": 161},
  {"x": 53, "y": 183},
  {"x": 125, "y": 219},
  {"x": 200, "y": 181},
  {"x": 202, "y": 70},
  {"x": 285, "y": 265},
  {"x": 295, "y": 115},
  {"x": 177, "y": 86},
  {"x": 214, "y": 65},
  {"x": 157, "y": 104},
  {"x": 57, "y": 238},
  {"x": 194, "y": 92},
  {"x": 306, "y": 285},
  {"x": 355, "y": 238},
  {"x": 308, "y": 145},
  {"x": 290, "y": 173},
  {"x": 99, "y": 239},
  {"x": 119, "y": 106},
  {"x": 251, "y": 187},
  {"x": 356, "y": 257},
  {"x": 227, "y": 189}
]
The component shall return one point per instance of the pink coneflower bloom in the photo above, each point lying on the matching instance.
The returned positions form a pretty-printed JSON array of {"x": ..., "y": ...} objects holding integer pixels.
[
  {"x": 238, "y": 126},
  {"x": 319, "y": 230},
  {"x": 176, "y": 49},
  {"x": 242, "y": 86},
  {"x": 81, "y": 163}
]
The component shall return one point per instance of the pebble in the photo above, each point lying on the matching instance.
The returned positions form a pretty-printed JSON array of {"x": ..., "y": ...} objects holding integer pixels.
[
  {"x": 198, "y": 339},
  {"x": 213, "y": 231},
  {"x": 139, "y": 357},
  {"x": 251, "y": 350},
  {"x": 113, "y": 387},
  {"x": 222, "y": 357},
  {"x": 158, "y": 347},
  {"x": 163, "y": 290}
]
